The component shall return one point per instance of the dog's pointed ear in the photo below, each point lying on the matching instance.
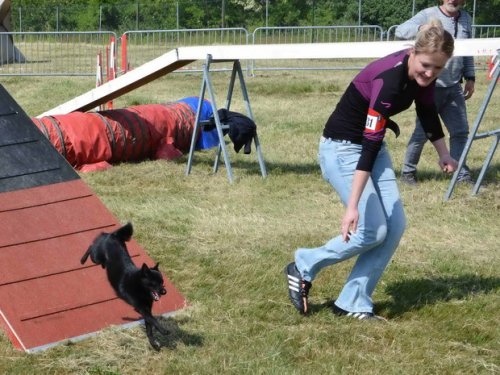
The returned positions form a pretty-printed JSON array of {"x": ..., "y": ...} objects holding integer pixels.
[
  {"x": 145, "y": 269},
  {"x": 156, "y": 266}
]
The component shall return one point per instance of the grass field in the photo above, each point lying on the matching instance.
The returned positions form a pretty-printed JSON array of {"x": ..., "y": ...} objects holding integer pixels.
[{"x": 224, "y": 246}]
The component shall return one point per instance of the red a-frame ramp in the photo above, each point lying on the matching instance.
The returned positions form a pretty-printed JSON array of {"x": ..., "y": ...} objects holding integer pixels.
[{"x": 48, "y": 218}]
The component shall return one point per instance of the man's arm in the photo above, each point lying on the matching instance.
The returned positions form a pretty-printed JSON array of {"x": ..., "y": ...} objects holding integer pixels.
[
  {"x": 469, "y": 71},
  {"x": 409, "y": 29}
]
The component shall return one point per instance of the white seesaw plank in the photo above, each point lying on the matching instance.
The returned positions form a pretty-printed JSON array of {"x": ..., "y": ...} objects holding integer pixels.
[{"x": 182, "y": 56}]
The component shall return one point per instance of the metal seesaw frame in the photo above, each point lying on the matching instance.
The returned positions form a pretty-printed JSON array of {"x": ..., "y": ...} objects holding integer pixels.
[
  {"x": 473, "y": 136},
  {"x": 206, "y": 85}
]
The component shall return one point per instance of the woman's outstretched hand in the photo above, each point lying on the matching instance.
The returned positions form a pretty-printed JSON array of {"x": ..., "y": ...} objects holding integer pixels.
[
  {"x": 349, "y": 223},
  {"x": 448, "y": 164}
]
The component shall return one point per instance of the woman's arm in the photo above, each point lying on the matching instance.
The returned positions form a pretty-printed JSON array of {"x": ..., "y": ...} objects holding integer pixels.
[
  {"x": 351, "y": 215},
  {"x": 446, "y": 162}
]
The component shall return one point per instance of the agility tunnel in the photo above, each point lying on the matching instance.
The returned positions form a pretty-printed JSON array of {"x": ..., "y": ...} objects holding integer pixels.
[
  {"x": 93, "y": 141},
  {"x": 49, "y": 217}
]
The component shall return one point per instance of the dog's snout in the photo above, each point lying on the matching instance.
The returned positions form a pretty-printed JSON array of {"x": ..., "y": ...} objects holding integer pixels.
[{"x": 163, "y": 291}]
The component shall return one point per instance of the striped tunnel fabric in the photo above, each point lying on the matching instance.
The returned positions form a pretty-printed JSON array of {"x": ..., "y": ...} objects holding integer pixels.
[{"x": 95, "y": 140}]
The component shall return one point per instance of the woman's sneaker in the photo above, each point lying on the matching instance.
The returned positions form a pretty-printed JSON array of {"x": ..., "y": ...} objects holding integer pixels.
[
  {"x": 298, "y": 288},
  {"x": 356, "y": 315}
]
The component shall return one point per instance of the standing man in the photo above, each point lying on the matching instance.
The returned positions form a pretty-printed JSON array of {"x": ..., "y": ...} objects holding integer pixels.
[{"x": 449, "y": 96}]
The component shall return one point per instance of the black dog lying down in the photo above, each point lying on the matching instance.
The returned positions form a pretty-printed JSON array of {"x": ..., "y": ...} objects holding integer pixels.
[{"x": 136, "y": 286}]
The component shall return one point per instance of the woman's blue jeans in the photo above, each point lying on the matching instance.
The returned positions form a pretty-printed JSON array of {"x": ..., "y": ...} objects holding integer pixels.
[{"x": 380, "y": 227}]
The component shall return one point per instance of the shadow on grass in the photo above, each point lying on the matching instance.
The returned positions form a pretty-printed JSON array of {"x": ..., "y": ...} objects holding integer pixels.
[
  {"x": 175, "y": 334},
  {"x": 413, "y": 294},
  {"x": 251, "y": 165},
  {"x": 302, "y": 168},
  {"x": 490, "y": 177},
  {"x": 206, "y": 159}
]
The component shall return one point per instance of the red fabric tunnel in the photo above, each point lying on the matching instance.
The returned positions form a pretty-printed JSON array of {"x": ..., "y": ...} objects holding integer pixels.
[{"x": 94, "y": 140}]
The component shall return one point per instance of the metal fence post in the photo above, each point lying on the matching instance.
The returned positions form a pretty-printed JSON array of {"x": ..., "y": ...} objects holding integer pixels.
[
  {"x": 137, "y": 15},
  {"x": 177, "y": 13},
  {"x": 20, "y": 20}
]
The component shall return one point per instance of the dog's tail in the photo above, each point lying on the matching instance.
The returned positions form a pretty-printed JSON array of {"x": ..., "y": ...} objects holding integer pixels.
[
  {"x": 86, "y": 255},
  {"x": 124, "y": 233}
]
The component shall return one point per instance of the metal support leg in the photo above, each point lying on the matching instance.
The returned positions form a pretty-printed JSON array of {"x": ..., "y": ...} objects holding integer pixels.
[
  {"x": 237, "y": 70},
  {"x": 218, "y": 125},
  {"x": 196, "y": 129},
  {"x": 486, "y": 164},
  {"x": 472, "y": 135},
  {"x": 217, "y": 159},
  {"x": 206, "y": 86}
]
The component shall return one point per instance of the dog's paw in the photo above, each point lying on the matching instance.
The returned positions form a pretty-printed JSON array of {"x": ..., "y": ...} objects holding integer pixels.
[{"x": 155, "y": 344}]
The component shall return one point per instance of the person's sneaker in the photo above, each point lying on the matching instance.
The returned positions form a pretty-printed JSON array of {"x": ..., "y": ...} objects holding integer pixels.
[
  {"x": 298, "y": 288},
  {"x": 465, "y": 179},
  {"x": 356, "y": 315},
  {"x": 409, "y": 178}
]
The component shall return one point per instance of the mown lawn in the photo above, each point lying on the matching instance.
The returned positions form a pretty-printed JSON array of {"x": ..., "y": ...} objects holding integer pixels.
[{"x": 224, "y": 246}]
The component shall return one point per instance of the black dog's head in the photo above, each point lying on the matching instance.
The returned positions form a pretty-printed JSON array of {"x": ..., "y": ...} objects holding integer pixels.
[{"x": 152, "y": 280}]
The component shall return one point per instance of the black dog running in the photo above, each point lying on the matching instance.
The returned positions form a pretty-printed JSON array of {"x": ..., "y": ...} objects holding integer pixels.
[{"x": 139, "y": 287}]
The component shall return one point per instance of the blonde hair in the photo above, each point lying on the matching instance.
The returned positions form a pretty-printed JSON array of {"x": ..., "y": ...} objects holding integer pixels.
[{"x": 432, "y": 37}]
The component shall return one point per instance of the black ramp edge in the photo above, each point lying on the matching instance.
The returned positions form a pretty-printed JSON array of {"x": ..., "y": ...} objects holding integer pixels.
[{"x": 27, "y": 158}]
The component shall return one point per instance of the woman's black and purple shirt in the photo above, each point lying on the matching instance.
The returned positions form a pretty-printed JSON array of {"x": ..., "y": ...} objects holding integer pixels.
[{"x": 379, "y": 91}]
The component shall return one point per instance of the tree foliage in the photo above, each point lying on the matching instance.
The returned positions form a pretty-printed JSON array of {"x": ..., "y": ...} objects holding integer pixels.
[{"x": 122, "y": 15}]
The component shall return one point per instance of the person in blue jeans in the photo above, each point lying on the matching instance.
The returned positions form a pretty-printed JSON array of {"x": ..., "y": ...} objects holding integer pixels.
[
  {"x": 450, "y": 97},
  {"x": 355, "y": 160}
]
